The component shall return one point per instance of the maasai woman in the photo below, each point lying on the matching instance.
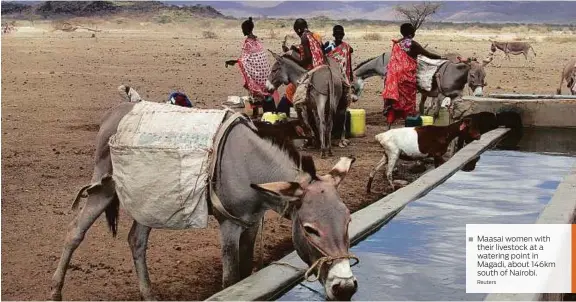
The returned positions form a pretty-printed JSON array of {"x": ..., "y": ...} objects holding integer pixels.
[
  {"x": 310, "y": 51},
  {"x": 400, "y": 87},
  {"x": 340, "y": 51},
  {"x": 255, "y": 68}
]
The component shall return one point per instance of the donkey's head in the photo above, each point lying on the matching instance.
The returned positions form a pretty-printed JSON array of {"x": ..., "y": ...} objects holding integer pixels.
[
  {"x": 477, "y": 74},
  {"x": 492, "y": 46},
  {"x": 320, "y": 226},
  {"x": 278, "y": 75}
]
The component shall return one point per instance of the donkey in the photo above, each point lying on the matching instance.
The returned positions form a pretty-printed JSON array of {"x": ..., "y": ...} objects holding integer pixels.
[
  {"x": 568, "y": 74},
  {"x": 376, "y": 66},
  {"x": 451, "y": 78},
  {"x": 514, "y": 48},
  {"x": 258, "y": 178},
  {"x": 324, "y": 99}
]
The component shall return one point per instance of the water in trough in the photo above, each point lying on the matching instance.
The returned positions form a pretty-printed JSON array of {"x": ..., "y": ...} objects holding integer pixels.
[{"x": 420, "y": 254}]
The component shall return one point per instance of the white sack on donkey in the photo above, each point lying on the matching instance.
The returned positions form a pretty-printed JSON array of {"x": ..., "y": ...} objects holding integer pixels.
[{"x": 161, "y": 157}]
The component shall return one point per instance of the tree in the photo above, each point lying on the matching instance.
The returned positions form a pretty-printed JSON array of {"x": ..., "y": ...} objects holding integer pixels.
[{"x": 417, "y": 14}]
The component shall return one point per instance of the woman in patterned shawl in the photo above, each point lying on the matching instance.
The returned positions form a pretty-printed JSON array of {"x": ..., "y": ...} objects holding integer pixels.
[
  {"x": 310, "y": 48},
  {"x": 310, "y": 51},
  {"x": 400, "y": 87},
  {"x": 341, "y": 52},
  {"x": 255, "y": 67}
]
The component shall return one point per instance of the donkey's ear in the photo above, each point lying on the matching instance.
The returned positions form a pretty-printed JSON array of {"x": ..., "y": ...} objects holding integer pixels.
[
  {"x": 308, "y": 165},
  {"x": 337, "y": 174},
  {"x": 280, "y": 189},
  {"x": 277, "y": 57}
]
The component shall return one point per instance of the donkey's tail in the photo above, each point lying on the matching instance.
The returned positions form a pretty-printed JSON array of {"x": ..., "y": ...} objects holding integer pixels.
[
  {"x": 559, "y": 89},
  {"x": 112, "y": 210},
  {"x": 129, "y": 94},
  {"x": 533, "y": 50}
]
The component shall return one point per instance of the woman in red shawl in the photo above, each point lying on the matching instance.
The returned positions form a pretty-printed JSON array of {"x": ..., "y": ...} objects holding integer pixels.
[
  {"x": 311, "y": 55},
  {"x": 400, "y": 87},
  {"x": 255, "y": 68},
  {"x": 310, "y": 48}
]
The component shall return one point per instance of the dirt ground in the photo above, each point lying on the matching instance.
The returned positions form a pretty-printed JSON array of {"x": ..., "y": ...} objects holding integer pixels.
[{"x": 55, "y": 88}]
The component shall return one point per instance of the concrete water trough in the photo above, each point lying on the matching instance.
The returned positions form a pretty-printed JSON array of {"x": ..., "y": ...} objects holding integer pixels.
[
  {"x": 544, "y": 166},
  {"x": 557, "y": 111}
]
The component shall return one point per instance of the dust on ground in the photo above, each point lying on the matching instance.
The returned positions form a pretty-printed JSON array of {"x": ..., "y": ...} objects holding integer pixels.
[{"x": 56, "y": 87}]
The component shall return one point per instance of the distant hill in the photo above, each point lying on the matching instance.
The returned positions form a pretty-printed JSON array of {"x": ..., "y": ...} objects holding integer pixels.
[
  {"x": 49, "y": 9},
  {"x": 538, "y": 12},
  {"x": 535, "y": 12}
]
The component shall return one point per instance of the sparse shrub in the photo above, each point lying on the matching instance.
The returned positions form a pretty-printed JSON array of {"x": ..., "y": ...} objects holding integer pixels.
[
  {"x": 372, "y": 37},
  {"x": 561, "y": 40},
  {"x": 209, "y": 35},
  {"x": 163, "y": 19}
]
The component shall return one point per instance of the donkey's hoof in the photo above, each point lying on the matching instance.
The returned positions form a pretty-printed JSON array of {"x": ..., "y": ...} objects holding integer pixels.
[
  {"x": 150, "y": 298},
  {"x": 55, "y": 297}
]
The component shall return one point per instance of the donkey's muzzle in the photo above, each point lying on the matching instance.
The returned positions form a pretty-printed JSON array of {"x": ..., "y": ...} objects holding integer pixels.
[{"x": 344, "y": 289}]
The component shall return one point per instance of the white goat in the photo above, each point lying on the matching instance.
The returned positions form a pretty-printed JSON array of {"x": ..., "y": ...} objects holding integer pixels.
[{"x": 412, "y": 143}]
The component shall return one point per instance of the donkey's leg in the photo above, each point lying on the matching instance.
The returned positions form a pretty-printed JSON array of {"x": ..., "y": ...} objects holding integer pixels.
[
  {"x": 422, "y": 103},
  {"x": 328, "y": 133},
  {"x": 437, "y": 103},
  {"x": 96, "y": 204},
  {"x": 343, "y": 141},
  {"x": 247, "y": 242},
  {"x": 305, "y": 119},
  {"x": 230, "y": 234},
  {"x": 138, "y": 241},
  {"x": 320, "y": 119}
]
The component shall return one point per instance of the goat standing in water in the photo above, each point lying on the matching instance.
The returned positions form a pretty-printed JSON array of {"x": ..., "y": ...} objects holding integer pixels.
[{"x": 412, "y": 143}]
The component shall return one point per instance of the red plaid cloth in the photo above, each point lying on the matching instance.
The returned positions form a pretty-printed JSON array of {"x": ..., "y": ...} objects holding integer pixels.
[
  {"x": 343, "y": 55},
  {"x": 315, "y": 48},
  {"x": 400, "y": 85},
  {"x": 255, "y": 67}
]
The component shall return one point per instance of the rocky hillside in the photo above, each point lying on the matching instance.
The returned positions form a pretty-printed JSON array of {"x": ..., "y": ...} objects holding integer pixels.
[{"x": 48, "y": 9}]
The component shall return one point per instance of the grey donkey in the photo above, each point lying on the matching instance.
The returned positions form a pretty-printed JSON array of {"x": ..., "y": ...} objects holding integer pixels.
[
  {"x": 324, "y": 99},
  {"x": 252, "y": 176},
  {"x": 450, "y": 79}
]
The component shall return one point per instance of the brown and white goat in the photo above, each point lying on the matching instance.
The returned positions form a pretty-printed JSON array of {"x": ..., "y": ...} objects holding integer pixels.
[{"x": 413, "y": 143}]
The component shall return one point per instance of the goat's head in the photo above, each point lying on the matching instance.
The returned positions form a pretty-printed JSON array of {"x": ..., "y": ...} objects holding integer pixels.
[{"x": 469, "y": 128}]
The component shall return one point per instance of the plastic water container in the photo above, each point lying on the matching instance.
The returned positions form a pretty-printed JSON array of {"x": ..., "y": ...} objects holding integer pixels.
[
  {"x": 413, "y": 121},
  {"x": 273, "y": 118},
  {"x": 282, "y": 116},
  {"x": 427, "y": 120},
  {"x": 270, "y": 117},
  {"x": 443, "y": 118},
  {"x": 357, "y": 122}
]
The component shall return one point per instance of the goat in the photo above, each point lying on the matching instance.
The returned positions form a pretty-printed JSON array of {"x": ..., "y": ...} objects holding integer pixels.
[{"x": 413, "y": 143}]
